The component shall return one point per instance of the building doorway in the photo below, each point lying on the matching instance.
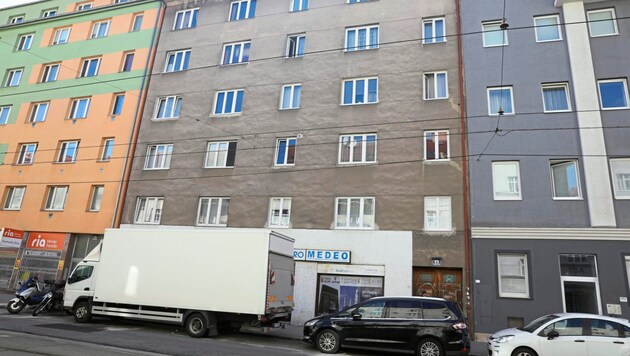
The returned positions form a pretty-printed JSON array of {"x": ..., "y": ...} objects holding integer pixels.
[
  {"x": 438, "y": 282},
  {"x": 580, "y": 284}
]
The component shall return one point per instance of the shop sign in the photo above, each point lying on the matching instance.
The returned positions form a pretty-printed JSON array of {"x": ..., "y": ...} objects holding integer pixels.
[
  {"x": 361, "y": 270},
  {"x": 43, "y": 254},
  {"x": 331, "y": 256},
  {"x": 11, "y": 238},
  {"x": 46, "y": 241}
]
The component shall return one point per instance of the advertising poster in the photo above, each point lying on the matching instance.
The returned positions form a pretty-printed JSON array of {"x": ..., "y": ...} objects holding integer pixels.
[
  {"x": 337, "y": 292},
  {"x": 11, "y": 238}
]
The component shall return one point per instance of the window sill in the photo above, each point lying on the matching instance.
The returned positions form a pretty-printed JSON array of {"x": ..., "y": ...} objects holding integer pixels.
[
  {"x": 508, "y": 199},
  {"x": 359, "y": 50},
  {"x": 556, "y": 111},
  {"x": 211, "y": 225},
  {"x": 359, "y": 104},
  {"x": 103, "y": 161},
  {"x": 436, "y": 161},
  {"x": 233, "y": 64},
  {"x": 494, "y": 46},
  {"x": 53, "y": 210},
  {"x": 278, "y": 227},
  {"x": 504, "y": 114},
  {"x": 616, "y": 108},
  {"x": 435, "y": 99},
  {"x": 23, "y": 164},
  {"x": 288, "y": 109},
  {"x": 546, "y": 41},
  {"x": 156, "y": 119},
  {"x": 145, "y": 223},
  {"x": 225, "y": 115},
  {"x": 175, "y": 71},
  {"x": 604, "y": 35},
  {"x": 156, "y": 169},
  {"x": 349, "y": 164},
  {"x": 7, "y": 209},
  {"x": 622, "y": 197},
  {"x": 568, "y": 199},
  {"x": 294, "y": 57},
  {"x": 64, "y": 162},
  {"x": 92, "y": 211},
  {"x": 434, "y": 42},
  {"x": 230, "y": 167},
  {"x": 353, "y": 228}
]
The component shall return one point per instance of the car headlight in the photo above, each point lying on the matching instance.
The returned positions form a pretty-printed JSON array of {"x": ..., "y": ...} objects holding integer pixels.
[
  {"x": 311, "y": 322},
  {"x": 503, "y": 339}
]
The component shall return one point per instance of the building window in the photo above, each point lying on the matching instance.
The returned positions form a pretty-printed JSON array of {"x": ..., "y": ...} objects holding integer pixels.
[
  {"x": 436, "y": 145},
  {"x": 25, "y": 42},
  {"x": 234, "y": 53},
  {"x": 136, "y": 25},
  {"x": 84, "y": 6},
  {"x": 50, "y": 73},
  {"x": 56, "y": 199},
  {"x": 360, "y": 91},
  {"x": 433, "y": 30},
  {"x": 435, "y": 86},
  {"x": 117, "y": 106},
  {"x": 357, "y": 148},
  {"x": 79, "y": 108},
  {"x": 213, "y": 211},
  {"x": 354, "y": 213},
  {"x": 16, "y": 19},
  {"x": 13, "y": 77},
  {"x": 96, "y": 197},
  {"x": 5, "y": 111},
  {"x": 493, "y": 35},
  {"x": 158, "y": 156},
  {"x": 506, "y": 180},
  {"x": 437, "y": 214},
  {"x": 49, "y": 13},
  {"x": 229, "y": 102},
  {"x": 361, "y": 38},
  {"x": 291, "y": 96},
  {"x": 513, "y": 275},
  {"x": 220, "y": 154},
  {"x": 14, "y": 197},
  {"x": 168, "y": 107},
  {"x": 61, "y": 36},
  {"x": 500, "y": 101},
  {"x": 90, "y": 67},
  {"x": 565, "y": 179},
  {"x": 100, "y": 29},
  {"x": 299, "y": 5},
  {"x": 128, "y": 61},
  {"x": 68, "y": 151},
  {"x": 602, "y": 22},
  {"x": 27, "y": 153},
  {"x": 285, "y": 151},
  {"x": 620, "y": 169},
  {"x": 107, "y": 149},
  {"x": 38, "y": 112},
  {"x": 556, "y": 97},
  {"x": 547, "y": 28},
  {"x": 279, "y": 212},
  {"x": 613, "y": 94},
  {"x": 185, "y": 19},
  {"x": 242, "y": 9},
  {"x": 177, "y": 61},
  {"x": 295, "y": 45},
  {"x": 148, "y": 210}
]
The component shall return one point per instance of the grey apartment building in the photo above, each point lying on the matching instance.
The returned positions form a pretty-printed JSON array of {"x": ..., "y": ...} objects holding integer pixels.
[
  {"x": 548, "y": 137},
  {"x": 334, "y": 122}
]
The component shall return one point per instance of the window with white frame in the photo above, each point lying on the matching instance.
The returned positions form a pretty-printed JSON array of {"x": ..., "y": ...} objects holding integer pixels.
[
  {"x": 158, "y": 156},
  {"x": 185, "y": 19},
  {"x": 500, "y": 101},
  {"x": 213, "y": 211},
  {"x": 602, "y": 22},
  {"x": 56, "y": 198},
  {"x": 360, "y": 148},
  {"x": 38, "y": 112},
  {"x": 117, "y": 105},
  {"x": 148, "y": 210},
  {"x": 27, "y": 153},
  {"x": 61, "y": 36},
  {"x": 177, "y": 61},
  {"x": 295, "y": 45},
  {"x": 361, "y": 38},
  {"x": 107, "y": 148},
  {"x": 50, "y": 73},
  {"x": 79, "y": 108},
  {"x": 234, "y": 53},
  {"x": 13, "y": 198},
  {"x": 5, "y": 111},
  {"x": 620, "y": 169},
  {"x": 14, "y": 76},
  {"x": 96, "y": 197},
  {"x": 493, "y": 35},
  {"x": 229, "y": 102},
  {"x": 506, "y": 180},
  {"x": 242, "y": 9},
  {"x": 84, "y": 6},
  {"x": 435, "y": 85},
  {"x": 613, "y": 94},
  {"x": 100, "y": 29},
  {"x": 89, "y": 68},
  {"x": 16, "y": 19},
  {"x": 137, "y": 22},
  {"x": 298, "y": 5},
  {"x": 25, "y": 42},
  {"x": 354, "y": 213},
  {"x": 556, "y": 97},
  {"x": 285, "y": 151},
  {"x": 513, "y": 275},
  {"x": 547, "y": 28},
  {"x": 565, "y": 179},
  {"x": 68, "y": 151},
  {"x": 220, "y": 154},
  {"x": 437, "y": 214},
  {"x": 128, "y": 61},
  {"x": 436, "y": 145},
  {"x": 168, "y": 107},
  {"x": 291, "y": 96},
  {"x": 433, "y": 30},
  {"x": 360, "y": 91},
  {"x": 279, "y": 212},
  {"x": 49, "y": 13}
]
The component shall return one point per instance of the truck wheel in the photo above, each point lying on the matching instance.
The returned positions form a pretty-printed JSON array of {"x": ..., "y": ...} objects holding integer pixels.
[
  {"x": 327, "y": 341},
  {"x": 196, "y": 325},
  {"x": 15, "y": 307},
  {"x": 82, "y": 313}
]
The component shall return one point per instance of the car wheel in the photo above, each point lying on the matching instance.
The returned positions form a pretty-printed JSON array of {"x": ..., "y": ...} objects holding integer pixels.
[
  {"x": 524, "y": 351},
  {"x": 82, "y": 313},
  {"x": 430, "y": 347},
  {"x": 15, "y": 307},
  {"x": 327, "y": 341},
  {"x": 196, "y": 325}
]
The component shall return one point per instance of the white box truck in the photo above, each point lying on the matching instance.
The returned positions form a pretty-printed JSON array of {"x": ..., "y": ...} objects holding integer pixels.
[{"x": 201, "y": 279}]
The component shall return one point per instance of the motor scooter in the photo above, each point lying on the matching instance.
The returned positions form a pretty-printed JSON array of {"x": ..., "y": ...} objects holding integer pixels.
[
  {"x": 30, "y": 292},
  {"x": 53, "y": 300}
]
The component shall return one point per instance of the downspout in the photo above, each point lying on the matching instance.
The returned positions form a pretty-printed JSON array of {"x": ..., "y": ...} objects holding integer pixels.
[{"x": 135, "y": 129}]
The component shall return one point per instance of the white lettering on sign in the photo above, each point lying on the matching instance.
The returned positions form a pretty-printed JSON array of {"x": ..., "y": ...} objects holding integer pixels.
[{"x": 331, "y": 256}]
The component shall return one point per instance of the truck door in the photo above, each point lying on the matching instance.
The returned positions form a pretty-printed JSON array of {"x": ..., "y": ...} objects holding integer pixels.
[{"x": 80, "y": 283}]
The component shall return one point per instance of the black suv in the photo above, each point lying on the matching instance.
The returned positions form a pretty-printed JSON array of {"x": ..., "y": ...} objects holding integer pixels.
[{"x": 427, "y": 326}]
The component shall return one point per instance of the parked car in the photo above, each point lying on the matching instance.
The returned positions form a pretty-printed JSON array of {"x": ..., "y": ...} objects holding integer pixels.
[
  {"x": 426, "y": 326},
  {"x": 564, "y": 334}
]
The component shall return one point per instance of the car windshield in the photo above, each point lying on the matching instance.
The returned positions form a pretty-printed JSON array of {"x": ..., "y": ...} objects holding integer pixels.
[
  {"x": 346, "y": 312},
  {"x": 538, "y": 323}
]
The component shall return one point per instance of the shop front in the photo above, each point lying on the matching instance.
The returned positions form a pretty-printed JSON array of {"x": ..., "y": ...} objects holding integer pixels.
[{"x": 10, "y": 242}]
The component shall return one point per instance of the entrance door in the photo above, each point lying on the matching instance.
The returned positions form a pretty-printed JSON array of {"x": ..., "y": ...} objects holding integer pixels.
[
  {"x": 580, "y": 284},
  {"x": 438, "y": 282}
]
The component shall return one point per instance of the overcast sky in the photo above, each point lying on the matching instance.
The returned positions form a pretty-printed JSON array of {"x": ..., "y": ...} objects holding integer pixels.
[{"x": 9, "y": 3}]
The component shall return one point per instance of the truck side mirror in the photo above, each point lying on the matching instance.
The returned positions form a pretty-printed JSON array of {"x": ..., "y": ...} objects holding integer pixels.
[{"x": 552, "y": 334}]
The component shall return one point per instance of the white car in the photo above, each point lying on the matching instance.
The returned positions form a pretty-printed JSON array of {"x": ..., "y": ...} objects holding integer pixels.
[{"x": 564, "y": 334}]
